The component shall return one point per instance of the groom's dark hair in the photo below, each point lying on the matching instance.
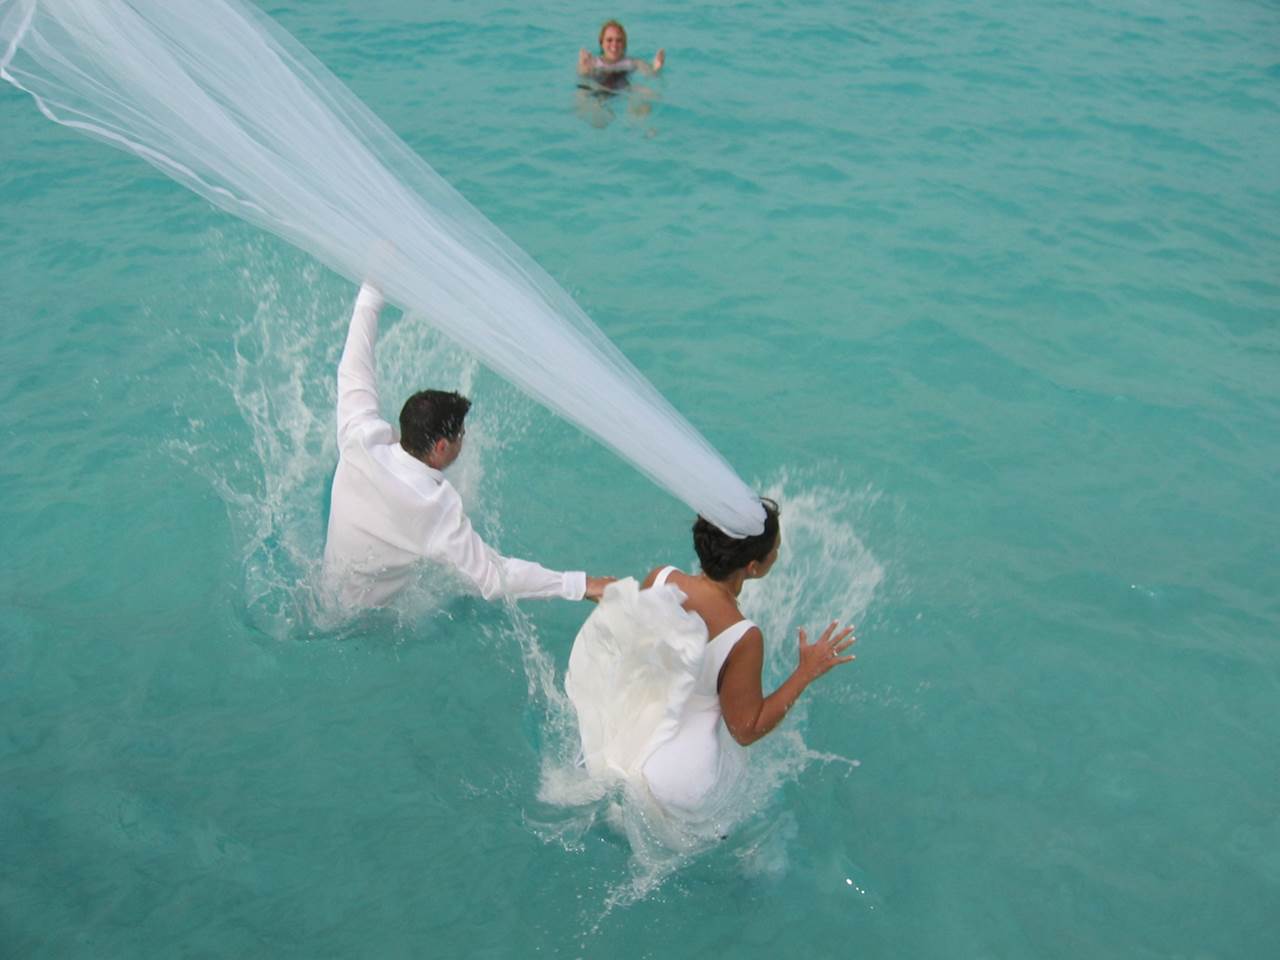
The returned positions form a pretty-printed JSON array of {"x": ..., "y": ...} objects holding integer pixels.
[
  {"x": 721, "y": 554},
  {"x": 431, "y": 415}
]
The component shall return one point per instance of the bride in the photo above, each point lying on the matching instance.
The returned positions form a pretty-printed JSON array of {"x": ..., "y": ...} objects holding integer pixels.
[{"x": 666, "y": 676}]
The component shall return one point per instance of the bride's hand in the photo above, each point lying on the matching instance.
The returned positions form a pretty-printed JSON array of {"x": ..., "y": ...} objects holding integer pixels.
[{"x": 826, "y": 652}]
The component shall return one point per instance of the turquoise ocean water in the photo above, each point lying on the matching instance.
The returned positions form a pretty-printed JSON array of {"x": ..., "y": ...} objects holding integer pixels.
[{"x": 986, "y": 292}]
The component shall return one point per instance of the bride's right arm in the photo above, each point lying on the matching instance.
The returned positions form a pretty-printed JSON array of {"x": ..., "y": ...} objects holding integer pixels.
[{"x": 749, "y": 714}]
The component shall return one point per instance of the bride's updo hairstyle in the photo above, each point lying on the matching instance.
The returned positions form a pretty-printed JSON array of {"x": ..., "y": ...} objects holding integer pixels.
[{"x": 721, "y": 554}]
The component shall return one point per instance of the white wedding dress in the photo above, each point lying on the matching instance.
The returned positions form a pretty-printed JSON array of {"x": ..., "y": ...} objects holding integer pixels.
[{"x": 642, "y": 677}]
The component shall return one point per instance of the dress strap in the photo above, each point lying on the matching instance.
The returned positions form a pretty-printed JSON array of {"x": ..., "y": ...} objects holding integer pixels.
[
  {"x": 661, "y": 578},
  {"x": 730, "y": 635},
  {"x": 724, "y": 642}
]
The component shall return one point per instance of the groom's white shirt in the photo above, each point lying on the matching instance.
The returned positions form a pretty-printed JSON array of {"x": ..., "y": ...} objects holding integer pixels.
[{"x": 390, "y": 511}]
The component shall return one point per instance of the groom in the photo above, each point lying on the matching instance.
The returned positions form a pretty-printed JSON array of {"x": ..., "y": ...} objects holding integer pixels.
[{"x": 392, "y": 507}]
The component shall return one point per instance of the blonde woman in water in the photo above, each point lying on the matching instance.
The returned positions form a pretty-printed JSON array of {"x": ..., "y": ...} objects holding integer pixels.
[{"x": 605, "y": 74}]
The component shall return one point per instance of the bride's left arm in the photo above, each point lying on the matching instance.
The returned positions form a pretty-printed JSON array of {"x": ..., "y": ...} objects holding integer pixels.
[{"x": 748, "y": 713}]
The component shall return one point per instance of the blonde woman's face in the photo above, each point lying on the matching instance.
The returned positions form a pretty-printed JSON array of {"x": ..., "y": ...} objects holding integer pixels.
[{"x": 613, "y": 44}]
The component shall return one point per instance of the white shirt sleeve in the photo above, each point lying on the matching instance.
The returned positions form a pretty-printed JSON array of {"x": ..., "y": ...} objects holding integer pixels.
[
  {"x": 454, "y": 541},
  {"x": 357, "y": 374}
]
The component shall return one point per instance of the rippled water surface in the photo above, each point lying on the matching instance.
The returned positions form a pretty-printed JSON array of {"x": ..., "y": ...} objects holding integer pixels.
[{"x": 985, "y": 292}]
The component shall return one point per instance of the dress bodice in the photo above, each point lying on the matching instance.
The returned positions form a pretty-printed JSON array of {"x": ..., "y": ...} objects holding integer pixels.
[{"x": 642, "y": 679}]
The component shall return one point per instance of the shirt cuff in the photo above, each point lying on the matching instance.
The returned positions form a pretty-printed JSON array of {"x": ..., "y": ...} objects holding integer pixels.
[
  {"x": 575, "y": 585},
  {"x": 370, "y": 296}
]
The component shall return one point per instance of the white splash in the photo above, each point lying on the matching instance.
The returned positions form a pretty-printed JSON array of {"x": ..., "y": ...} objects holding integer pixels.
[
  {"x": 280, "y": 375},
  {"x": 824, "y": 573}
]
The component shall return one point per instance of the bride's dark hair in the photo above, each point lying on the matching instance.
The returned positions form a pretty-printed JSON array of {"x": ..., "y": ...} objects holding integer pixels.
[{"x": 721, "y": 554}]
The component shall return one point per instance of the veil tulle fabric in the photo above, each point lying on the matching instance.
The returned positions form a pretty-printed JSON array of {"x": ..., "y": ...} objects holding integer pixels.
[{"x": 221, "y": 99}]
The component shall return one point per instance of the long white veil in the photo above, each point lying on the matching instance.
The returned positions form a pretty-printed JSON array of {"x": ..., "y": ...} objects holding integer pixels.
[{"x": 221, "y": 99}]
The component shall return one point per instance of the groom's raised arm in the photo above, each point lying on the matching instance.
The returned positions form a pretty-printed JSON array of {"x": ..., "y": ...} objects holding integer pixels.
[{"x": 357, "y": 372}]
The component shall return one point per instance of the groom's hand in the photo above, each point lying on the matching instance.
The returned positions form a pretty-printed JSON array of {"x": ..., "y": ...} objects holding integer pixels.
[{"x": 595, "y": 587}]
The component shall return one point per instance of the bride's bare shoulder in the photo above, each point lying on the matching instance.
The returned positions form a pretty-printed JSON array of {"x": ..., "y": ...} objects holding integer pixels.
[{"x": 717, "y": 608}]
